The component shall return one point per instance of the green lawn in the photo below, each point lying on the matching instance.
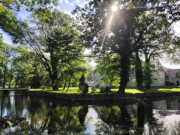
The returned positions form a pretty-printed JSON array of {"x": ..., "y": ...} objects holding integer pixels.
[
  {"x": 152, "y": 90},
  {"x": 74, "y": 90},
  {"x": 71, "y": 90}
]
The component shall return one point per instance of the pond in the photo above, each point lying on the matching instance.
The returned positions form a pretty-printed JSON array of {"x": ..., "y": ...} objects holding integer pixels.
[{"x": 44, "y": 116}]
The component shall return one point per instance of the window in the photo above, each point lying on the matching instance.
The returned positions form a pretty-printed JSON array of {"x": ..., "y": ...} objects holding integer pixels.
[
  {"x": 177, "y": 75},
  {"x": 166, "y": 77}
]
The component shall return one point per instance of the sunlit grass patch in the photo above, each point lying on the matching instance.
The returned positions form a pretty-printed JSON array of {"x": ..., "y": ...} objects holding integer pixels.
[
  {"x": 152, "y": 90},
  {"x": 164, "y": 90},
  {"x": 127, "y": 90},
  {"x": 71, "y": 90},
  {"x": 75, "y": 90}
]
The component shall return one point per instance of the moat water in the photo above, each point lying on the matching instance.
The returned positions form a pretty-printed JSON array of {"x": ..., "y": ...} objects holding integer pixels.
[{"x": 147, "y": 117}]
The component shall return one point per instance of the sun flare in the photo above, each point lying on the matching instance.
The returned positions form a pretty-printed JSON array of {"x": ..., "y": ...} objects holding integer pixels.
[{"x": 114, "y": 8}]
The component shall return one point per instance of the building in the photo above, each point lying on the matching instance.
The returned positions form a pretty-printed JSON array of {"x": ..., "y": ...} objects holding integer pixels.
[
  {"x": 167, "y": 76},
  {"x": 162, "y": 77}
]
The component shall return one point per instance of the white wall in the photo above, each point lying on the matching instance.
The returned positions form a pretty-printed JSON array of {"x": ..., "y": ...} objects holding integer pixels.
[
  {"x": 175, "y": 81},
  {"x": 160, "y": 76}
]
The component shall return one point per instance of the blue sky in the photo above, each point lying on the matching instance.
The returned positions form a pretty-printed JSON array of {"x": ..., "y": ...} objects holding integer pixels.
[{"x": 68, "y": 5}]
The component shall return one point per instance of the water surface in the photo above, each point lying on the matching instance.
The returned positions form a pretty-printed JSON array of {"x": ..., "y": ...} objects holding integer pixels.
[{"x": 44, "y": 116}]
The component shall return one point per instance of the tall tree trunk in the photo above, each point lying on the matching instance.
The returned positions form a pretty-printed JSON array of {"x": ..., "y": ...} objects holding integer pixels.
[
  {"x": 124, "y": 73},
  {"x": 82, "y": 114},
  {"x": 140, "y": 118},
  {"x": 64, "y": 86},
  {"x": 16, "y": 82},
  {"x": 10, "y": 81},
  {"x": 125, "y": 120},
  {"x": 139, "y": 72},
  {"x": 147, "y": 74},
  {"x": 69, "y": 84},
  {"x": 4, "y": 82},
  {"x": 54, "y": 82},
  {"x": 54, "y": 76}
]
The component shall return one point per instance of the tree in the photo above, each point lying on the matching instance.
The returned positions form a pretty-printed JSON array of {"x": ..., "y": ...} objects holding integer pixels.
[
  {"x": 108, "y": 69},
  {"x": 73, "y": 72},
  {"x": 120, "y": 32},
  {"x": 158, "y": 40},
  {"x": 23, "y": 67},
  {"x": 1, "y": 58},
  {"x": 83, "y": 87},
  {"x": 5, "y": 62},
  {"x": 56, "y": 44},
  {"x": 138, "y": 71}
]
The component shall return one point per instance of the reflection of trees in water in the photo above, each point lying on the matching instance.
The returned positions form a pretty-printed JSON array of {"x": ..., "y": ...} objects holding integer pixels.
[
  {"x": 55, "y": 118},
  {"x": 67, "y": 120},
  {"x": 82, "y": 114},
  {"x": 117, "y": 120},
  {"x": 146, "y": 117},
  {"x": 5, "y": 104},
  {"x": 42, "y": 115},
  {"x": 11, "y": 103},
  {"x": 37, "y": 114},
  {"x": 49, "y": 116},
  {"x": 21, "y": 103}
]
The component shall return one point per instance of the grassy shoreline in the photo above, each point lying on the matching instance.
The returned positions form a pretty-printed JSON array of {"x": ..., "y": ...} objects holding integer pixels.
[{"x": 74, "y": 90}]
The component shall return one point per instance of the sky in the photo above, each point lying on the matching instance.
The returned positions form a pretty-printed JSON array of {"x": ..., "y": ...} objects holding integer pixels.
[{"x": 67, "y": 6}]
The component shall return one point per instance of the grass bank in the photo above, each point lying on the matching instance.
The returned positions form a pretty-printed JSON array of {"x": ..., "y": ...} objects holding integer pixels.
[{"x": 74, "y": 90}]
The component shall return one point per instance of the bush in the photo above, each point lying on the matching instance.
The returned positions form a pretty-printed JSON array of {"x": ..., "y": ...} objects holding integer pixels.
[
  {"x": 93, "y": 89},
  {"x": 83, "y": 87}
]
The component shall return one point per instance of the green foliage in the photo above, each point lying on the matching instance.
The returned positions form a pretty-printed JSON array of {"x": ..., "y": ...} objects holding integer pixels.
[
  {"x": 93, "y": 89},
  {"x": 9, "y": 22},
  {"x": 108, "y": 69},
  {"x": 147, "y": 77},
  {"x": 73, "y": 72},
  {"x": 6, "y": 59},
  {"x": 59, "y": 39},
  {"x": 23, "y": 67}
]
